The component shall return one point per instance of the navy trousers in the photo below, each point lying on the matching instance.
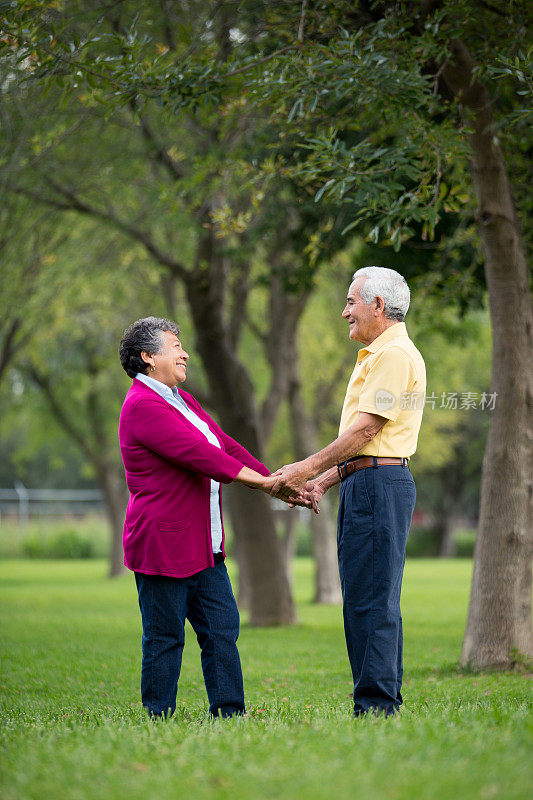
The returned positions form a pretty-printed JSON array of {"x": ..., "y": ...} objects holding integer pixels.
[
  {"x": 375, "y": 509},
  {"x": 206, "y": 600}
]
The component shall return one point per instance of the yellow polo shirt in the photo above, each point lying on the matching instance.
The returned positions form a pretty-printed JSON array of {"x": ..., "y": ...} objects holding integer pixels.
[{"x": 389, "y": 379}]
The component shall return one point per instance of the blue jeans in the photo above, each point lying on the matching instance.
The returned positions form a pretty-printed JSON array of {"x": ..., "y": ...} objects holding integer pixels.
[
  {"x": 206, "y": 600},
  {"x": 375, "y": 509}
]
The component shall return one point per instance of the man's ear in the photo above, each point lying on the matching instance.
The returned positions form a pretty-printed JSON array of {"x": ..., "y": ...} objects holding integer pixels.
[{"x": 380, "y": 303}]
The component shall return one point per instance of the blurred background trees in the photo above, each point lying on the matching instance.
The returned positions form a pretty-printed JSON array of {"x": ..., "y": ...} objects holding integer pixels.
[{"x": 230, "y": 165}]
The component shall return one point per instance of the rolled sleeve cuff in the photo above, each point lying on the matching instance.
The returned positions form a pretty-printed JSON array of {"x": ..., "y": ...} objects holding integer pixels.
[
  {"x": 391, "y": 414},
  {"x": 227, "y": 470}
]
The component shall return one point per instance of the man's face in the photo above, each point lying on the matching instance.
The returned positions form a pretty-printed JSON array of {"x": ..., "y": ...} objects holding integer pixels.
[
  {"x": 170, "y": 363},
  {"x": 360, "y": 316}
]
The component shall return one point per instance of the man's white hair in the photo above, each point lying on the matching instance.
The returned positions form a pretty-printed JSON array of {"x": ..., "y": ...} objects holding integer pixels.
[{"x": 388, "y": 284}]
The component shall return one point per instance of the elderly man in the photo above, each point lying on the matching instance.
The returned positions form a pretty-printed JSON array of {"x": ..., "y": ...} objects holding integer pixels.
[{"x": 378, "y": 433}]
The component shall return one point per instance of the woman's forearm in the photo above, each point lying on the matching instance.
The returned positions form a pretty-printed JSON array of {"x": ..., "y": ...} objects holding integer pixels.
[{"x": 249, "y": 477}]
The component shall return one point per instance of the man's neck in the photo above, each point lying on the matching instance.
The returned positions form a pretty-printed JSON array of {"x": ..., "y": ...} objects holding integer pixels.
[{"x": 385, "y": 325}]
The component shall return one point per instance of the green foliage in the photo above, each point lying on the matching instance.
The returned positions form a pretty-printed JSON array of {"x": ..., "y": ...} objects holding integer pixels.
[
  {"x": 73, "y": 724},
  {"x": 422, "y": 543},
  {"x": 519, "y": 67},
  {"x": 396, "y": 142},
  {"x": 67, "y": 544},
  {"x": 85, "y": 537},
  {"x": 389, "y": 158},
  {"x": 465, "y": 540}
]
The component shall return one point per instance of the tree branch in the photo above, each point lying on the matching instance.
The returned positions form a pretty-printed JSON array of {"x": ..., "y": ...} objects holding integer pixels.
[
  {"x": 9, "y": 346},
  {"x": 428, "y": 7},
  {"x": 74, "y": 203},
  {"x": 240, "y": 289},
  {"x": 71, "y": 62},
  {"x": 159, "y": 152},
  {"x": 263, "y": 60},
  {"x": 302, "y": 22},
  {"x": 285, "y": 311},
  {"x": 44, "y": 383},
  {"x": 324, "y": 390},
  {"x": 262, "y": 336},
  {"x": 169, "y": 34},
  {"x": 492, "y": 8}
]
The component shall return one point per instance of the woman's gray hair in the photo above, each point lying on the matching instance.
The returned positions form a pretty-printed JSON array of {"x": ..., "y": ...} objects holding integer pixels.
[
  {"x": 388, "y": 284},
  {"x": 143, "y": 336}
]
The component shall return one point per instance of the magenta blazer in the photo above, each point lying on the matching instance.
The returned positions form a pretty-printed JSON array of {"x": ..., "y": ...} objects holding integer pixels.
[{"x": 169, "y": 464}]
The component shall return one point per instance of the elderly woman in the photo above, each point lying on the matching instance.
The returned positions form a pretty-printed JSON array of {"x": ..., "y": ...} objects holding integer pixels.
[{"x": 175, "y": 457}]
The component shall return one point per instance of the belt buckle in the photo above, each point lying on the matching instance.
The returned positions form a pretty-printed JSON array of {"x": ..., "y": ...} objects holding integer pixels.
[{"x": 340, "y": 468}]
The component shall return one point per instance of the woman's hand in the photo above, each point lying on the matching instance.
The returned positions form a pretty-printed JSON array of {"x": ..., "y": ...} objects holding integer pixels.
[
  {"x": 266, "y": 483},
  {"x": 255, "y": 480},
  {"x": 301, "y": 498}
]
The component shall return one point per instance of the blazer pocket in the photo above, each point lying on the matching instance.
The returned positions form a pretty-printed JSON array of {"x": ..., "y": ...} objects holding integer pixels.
[{"x": 173, "y": 546}]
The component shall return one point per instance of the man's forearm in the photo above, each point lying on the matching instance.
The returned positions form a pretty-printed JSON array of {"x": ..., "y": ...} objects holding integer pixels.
[
  {"x": 292, "y": 477},
  {"x": 344, "y": 447}
]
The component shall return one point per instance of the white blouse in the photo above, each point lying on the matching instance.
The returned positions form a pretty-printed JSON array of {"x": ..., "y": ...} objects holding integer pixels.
[{"x": 173, "y": 397}]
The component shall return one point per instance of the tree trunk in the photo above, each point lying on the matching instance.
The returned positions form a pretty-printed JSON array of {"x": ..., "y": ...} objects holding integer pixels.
[
  {"x": 266, "y": 579},
  {"x": 112, "y": 485},
  {"x": 110, "y": 478},
  {"x": 285, "y": 310},
  {"x": 324, "y": 540},
  {"x": 445, "y": 541},
  {"x": 240, "y": 527},
  {"x": 499, "y": 619},
  {"x": 443, "y": 528},
  {"x": 324, "y": 545},
  {"x": 232, "y": 391},
  {"x": 287, "y": 522}
]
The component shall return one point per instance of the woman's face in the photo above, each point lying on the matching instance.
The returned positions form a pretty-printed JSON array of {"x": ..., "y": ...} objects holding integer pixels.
[{"x": 170, "y": 363}]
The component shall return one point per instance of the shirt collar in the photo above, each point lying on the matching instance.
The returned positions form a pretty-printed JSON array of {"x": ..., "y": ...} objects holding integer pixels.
[
  {"x": 396, "y": 330},
  {"x": 161, "y": 388}
]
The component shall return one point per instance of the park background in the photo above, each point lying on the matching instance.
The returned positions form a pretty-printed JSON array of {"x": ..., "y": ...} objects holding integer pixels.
[{"x": 229, "y": 165}]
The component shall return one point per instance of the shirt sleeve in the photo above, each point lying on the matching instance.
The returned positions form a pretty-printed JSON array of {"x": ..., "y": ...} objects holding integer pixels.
[
  {"x": 239, "y": 452},
  {"x": 387, "y": 380},
  {"x": 156, "y": 426}
]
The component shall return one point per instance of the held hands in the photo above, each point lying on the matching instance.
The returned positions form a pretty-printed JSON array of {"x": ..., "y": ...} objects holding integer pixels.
[
  {"x": 255, "y": 480},
  {"x": 296, "y": 498},
  {"x": 291, "y": 482},
  {"x": 290, "y": 479}
]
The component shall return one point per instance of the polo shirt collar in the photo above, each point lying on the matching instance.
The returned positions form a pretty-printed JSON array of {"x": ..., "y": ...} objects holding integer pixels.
[{"x": 396, "y": 330}]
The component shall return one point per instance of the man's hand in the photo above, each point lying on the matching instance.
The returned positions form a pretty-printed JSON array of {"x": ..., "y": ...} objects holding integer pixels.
[
  {"x": 313, "y": 491},
  {"x": 294, "y": 499},
  {"x": 291, "y": 478},
  {"x": 309, "y": 498},
  {"x": 304, "y": 499}
]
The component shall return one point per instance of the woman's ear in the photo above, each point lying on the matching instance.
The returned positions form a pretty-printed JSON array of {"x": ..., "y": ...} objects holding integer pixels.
[{"x": 147, "y": 358}]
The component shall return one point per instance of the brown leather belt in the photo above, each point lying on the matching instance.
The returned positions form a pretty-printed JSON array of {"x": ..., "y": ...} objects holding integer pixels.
[{"x": 362, "y": 462}]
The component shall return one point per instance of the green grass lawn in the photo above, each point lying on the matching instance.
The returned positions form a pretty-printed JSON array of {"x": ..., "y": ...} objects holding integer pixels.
[{"x": 73, "y": 727}]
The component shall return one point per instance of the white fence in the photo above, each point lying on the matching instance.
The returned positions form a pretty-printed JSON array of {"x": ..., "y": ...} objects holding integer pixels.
[{"x": 23, "y": 503}]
